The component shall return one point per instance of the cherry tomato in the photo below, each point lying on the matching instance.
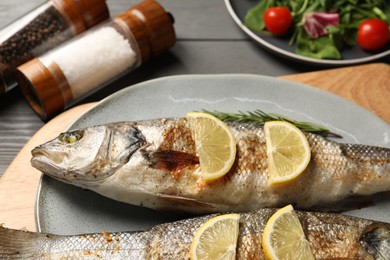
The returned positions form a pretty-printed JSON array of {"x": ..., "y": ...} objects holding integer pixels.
[
  {"x": 373, "y": 34},
  {"x": 277, "y": 20}
]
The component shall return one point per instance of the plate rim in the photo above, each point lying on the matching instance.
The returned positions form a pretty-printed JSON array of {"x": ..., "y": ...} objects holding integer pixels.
[
  {"x": 304, "y": 86},
  {"x": 295, "y": 56}
]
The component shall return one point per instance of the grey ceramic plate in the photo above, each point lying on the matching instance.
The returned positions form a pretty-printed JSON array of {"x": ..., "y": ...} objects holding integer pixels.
[
  {"x": 279, "y": 45},
  {"x": 64, "y": 209}
]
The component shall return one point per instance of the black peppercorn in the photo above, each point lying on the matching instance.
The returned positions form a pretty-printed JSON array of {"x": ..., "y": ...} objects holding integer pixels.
[{"x": 43, "y": 29}]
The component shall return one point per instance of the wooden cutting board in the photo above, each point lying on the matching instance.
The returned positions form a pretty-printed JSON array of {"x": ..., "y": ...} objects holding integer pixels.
[{"x": 366, "y": 85}]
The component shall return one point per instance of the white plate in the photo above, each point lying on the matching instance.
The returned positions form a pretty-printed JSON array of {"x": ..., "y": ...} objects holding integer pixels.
[
  {"x": 279, "y": 45},
  {"x": 64, "y": 209}
]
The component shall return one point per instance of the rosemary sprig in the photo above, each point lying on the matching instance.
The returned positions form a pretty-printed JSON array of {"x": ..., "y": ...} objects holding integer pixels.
[{"x": 260, "y": 117}]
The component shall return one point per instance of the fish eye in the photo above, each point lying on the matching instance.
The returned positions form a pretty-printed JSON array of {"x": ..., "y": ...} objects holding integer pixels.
[{"x": 71, "y": 137}]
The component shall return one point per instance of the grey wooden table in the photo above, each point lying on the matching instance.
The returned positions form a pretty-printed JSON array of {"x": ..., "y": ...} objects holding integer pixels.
[{"x": 208, "y": 42}]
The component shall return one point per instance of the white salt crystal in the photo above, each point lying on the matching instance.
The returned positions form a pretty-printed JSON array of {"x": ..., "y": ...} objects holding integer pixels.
[{"x": 90, "y": 61}]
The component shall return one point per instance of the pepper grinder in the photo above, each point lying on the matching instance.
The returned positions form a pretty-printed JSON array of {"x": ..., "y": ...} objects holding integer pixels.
[
  {"x": 40, "y": 30},
  {"x": 60, "y": 78}
]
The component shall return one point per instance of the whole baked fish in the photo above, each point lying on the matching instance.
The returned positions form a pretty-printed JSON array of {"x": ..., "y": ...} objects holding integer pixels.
[
  {"x": 331, "y": 236},
  {"x": 154, "y": 164}
]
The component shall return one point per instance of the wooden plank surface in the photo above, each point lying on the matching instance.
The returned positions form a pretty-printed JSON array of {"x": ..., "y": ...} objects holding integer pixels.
[
  {"x": 194, "y": 20},
  {"x": 367, "y": 85},
  {"x": 200, "y": 19}
]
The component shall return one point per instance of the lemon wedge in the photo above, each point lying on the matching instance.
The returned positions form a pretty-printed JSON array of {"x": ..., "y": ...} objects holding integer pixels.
[
  {"x": 216, "y": 238},
  {"x": 288, "y": 151},
  {"x": 283, "y": 237},
  {"x": 215, "y": 144}
]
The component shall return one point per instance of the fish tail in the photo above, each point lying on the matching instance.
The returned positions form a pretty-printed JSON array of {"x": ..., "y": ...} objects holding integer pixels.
[
  {"x": 367, "y": 154},
  {"x": 373, "y": 167},
  {"x": 17, "y": 244}
]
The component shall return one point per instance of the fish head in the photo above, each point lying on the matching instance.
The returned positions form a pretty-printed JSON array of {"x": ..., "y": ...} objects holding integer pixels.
[{"x": 87, "y": 155}]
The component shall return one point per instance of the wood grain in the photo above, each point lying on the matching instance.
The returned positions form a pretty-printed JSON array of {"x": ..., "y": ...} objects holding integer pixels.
[
  {"x": 18, "y": 185},
  {"x": 366, "y": 85}
]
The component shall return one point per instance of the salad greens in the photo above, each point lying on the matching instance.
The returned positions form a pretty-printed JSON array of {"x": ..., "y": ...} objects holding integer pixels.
[{"x": 350, "y": 13}]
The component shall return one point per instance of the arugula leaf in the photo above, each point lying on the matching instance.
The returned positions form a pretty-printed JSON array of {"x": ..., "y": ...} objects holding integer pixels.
[
  {"x": 321, "y": 48},
  {"x": 254, "y": 17},
  {"x": 350, "y": 37},
  {"x": 386, "y": 12}
]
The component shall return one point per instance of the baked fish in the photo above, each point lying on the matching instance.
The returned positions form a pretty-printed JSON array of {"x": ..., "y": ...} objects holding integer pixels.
[
  {"x": 154, "y": 164},
  {"x": 331, "y": 236}
]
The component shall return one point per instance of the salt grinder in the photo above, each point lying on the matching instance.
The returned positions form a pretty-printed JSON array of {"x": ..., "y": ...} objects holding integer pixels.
[
  {"x": 58, "y": 79},
  {"x": 40, "y": 30}
]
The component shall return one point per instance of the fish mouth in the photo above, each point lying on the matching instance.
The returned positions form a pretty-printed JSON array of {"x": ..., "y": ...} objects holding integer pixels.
[
  {"x": 38, "y": 152},
  {"x": 53, "y": 164},
  {"x": 39, "y": 158},
  {"x": 47, "y": 163},
  {"x": 47, "y": 167}
]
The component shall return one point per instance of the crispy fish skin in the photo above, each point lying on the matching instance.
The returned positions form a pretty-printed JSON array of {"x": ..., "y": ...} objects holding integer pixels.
[
  {"x": 331, "y": 236},
  {"x": 154, "y": 164}
]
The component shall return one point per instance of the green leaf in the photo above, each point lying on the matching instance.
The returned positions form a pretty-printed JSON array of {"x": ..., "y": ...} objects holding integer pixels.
[
  {"x": 336, "y": 35},
  {"x": 350, "y": 37},
  {"x": 386, "y": 12},
  {"x": 254, "y": 17},
  {"x": 321, "y": 48}
]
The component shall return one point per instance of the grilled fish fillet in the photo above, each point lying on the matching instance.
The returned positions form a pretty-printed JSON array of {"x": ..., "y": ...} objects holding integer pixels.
[
  {"x": 331, "y": 236},
  {"x": 154, "y": 164}
]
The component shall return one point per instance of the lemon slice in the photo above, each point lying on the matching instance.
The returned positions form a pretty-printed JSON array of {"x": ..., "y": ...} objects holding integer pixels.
[
  {"x": 283, "y": 237},
  {"x": 288, "y": 151},
  {"x": 216, "y": 238},
  {"x": 215, "y": 144}
]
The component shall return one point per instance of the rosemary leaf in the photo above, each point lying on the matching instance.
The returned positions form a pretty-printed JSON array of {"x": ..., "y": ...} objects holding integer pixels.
[{"x": 260, "y": 117}]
